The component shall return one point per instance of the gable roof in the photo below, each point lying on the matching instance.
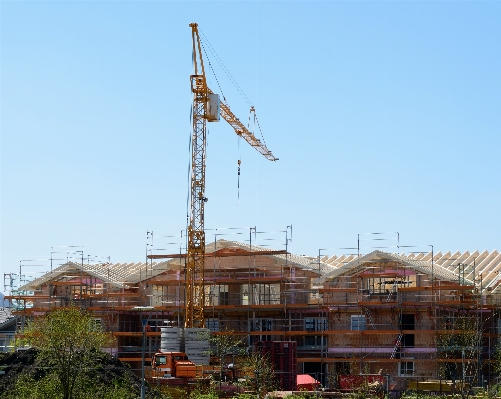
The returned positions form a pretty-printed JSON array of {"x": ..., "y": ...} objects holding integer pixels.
[
  {"x": 356, "y": 265},
  {"x": 120, "y": 275},
  {"x": 302, "y": 262},
  {"x": 483, "y": 265},
  {"x": 123, "y": 275}
]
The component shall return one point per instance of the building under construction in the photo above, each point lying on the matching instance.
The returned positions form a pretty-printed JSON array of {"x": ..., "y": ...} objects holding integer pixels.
[{"x": 393, "y": 314}]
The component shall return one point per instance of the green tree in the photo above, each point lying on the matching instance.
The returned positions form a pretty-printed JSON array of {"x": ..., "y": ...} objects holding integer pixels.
[
  {"x": 222, "y": 345},
  {"x": 259, "y": 372},
  {"x": 66, "y": 340},
  {"x": 459, "y": 347},
  {"x": 28, "y": 387}
]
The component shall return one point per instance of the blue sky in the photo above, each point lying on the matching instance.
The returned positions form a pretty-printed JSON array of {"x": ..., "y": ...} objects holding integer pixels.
[{"x": 386, "y": 117}]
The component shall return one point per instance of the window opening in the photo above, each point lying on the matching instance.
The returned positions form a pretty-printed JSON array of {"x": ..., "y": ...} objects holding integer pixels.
[{"x": 358, "y": 323}]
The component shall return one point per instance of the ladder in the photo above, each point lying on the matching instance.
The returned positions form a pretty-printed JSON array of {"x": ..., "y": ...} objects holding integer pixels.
[
  {"x": 393, "y": 290},
  {"x": 397, "y": 346},
  {"x": 368, "y": 316}
]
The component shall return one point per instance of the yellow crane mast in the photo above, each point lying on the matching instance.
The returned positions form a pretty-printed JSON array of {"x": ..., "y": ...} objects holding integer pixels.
[{"x": 206, "y": 108}]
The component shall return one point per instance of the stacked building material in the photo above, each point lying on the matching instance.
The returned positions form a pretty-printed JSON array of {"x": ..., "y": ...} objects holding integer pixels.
[
  {"x": 172, "y": 339},
  {"x": 196, "y": 345}
]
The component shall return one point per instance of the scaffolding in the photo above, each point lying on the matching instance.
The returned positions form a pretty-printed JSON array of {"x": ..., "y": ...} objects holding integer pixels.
[{"x": 364, "y": 312}]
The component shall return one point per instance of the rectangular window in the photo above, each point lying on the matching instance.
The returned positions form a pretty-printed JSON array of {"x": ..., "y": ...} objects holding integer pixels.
[
  {"x": 315, "y": 324},
  {"x": 216, "y": 295},
  {"x": 213, "y": 325},
  {"x": 224, "y": 298},
  {"x": 245, "y": 294},
  {"x": 223, "y": 294},
  {"x": 266, "y": 294},
  {"x": 209, "y": 295},
  {"x": 267, "y": 324},
  {"x": 406, "y": 369},
  {"x": 262, "y": 325},
  {"x": 358, "y": 323},
  {"x": 309, "y": 324}
]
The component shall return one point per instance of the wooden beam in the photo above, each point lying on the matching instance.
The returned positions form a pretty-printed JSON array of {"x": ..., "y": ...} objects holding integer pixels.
[
  {"x": 27, "y": 297},
  {"x": 67, "y": 283},
  {"x": 378, "y": 303},
  {"x": 221, "y": 254},
  {"x": 112, "y": 294},
  {"x": 437, "y": 288}
]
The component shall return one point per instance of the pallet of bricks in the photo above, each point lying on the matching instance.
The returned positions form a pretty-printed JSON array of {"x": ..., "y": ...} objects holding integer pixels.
[{"x": 283, "y": 357}]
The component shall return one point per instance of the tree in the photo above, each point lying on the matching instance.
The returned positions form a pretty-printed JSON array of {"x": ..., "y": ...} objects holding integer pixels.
[
  {"x": 259, "y": 372},
  {"x": 66, "y": 340},
  {"x": 459, "y": 349},
  {"x": 27, "y": 387},
  {"x": 223, "y": 345}
]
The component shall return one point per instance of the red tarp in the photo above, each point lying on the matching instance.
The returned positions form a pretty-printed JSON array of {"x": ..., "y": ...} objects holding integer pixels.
[{"x": 306, "y": 381}]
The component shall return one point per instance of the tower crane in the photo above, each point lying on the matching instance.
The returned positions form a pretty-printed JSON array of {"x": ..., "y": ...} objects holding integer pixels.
[{"x": 206, "y": 108}]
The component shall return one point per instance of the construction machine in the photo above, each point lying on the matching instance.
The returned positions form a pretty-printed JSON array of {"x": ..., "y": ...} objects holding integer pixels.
[
  {"x": 172, "y": 365},
  {"x": 206, "y": 108}
]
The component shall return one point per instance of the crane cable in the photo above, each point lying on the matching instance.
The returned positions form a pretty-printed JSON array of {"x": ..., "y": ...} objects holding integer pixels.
[
  {"x": 238, "y": 172},
  {"x": 188, "y": 194},
  {"x": 239, "y": 153},
  {"x": 203, "y": 39},
  {"x": 189, "y": 171},
  {"x": 212, "y": 69},
  {"x": 221, "y": 64},
  {"x": 259, "y": 127},
  {"x": 230, "y": 77},
  {"x": 223, "y": 67}
]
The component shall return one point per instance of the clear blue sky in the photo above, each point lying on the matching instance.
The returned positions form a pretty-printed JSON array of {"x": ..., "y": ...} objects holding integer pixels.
[{"x": 386, "y": 117}]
